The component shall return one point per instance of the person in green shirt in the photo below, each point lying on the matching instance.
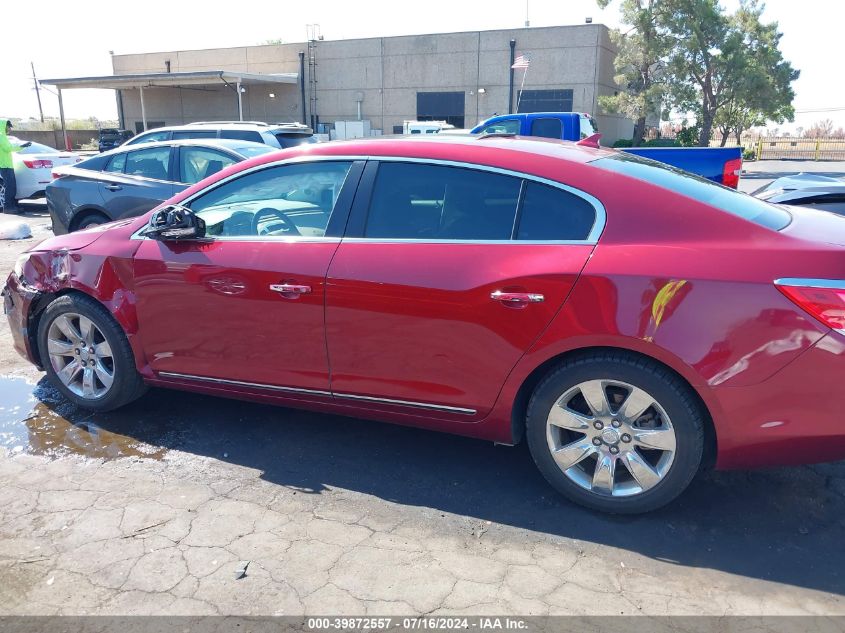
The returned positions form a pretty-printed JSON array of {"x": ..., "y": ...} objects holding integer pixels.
[{"x": 7, "y": 168}]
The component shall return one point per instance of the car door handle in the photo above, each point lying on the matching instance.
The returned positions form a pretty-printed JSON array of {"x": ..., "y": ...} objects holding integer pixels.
[
  {"x": 517, "y": 298},
  {"x": 114, "y": 187},
  {"x": 290, "y": 289}
]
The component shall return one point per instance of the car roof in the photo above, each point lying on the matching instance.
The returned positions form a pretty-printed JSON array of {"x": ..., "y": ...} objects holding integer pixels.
[
  {"x": 219, "y": 143},
  {"x": 470, "y": 149},
  {"x": 236, "y": 125}
]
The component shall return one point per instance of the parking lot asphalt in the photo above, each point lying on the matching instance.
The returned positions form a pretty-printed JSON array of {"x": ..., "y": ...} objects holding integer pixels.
[{"x": 155, "y": 508}]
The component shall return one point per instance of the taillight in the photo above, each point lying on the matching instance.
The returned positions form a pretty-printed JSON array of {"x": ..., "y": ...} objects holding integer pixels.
[
  {"x": 55, "y": 175},
  {"x": 822, "y": 298},
  {"x": 731, "y": 172},
  {"x": 38, "y": 164}
]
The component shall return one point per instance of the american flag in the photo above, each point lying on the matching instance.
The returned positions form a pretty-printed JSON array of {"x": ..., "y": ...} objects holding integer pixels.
[{"x": 521, "y": 62}]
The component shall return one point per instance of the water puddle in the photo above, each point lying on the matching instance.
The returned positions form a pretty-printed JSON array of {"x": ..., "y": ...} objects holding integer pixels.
[{"x": 37, "y": 420}]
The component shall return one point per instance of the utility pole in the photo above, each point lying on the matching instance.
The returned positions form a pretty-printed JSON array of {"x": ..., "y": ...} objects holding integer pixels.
[{"x": 37, "y": 91}]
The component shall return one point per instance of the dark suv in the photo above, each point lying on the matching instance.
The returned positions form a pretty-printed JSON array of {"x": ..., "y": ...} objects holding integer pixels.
[{"x": 112, "y": 137}]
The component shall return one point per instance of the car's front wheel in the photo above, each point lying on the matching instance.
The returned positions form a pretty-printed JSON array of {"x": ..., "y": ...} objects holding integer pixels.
[
  {"x": 86, "y": 354},
  {"x": 615, "y": 432}
]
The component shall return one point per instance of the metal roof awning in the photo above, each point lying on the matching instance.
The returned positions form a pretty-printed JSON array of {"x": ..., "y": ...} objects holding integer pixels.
[
  {"x": 174, "y": 79},
  {"x": 232, "y": 78}
]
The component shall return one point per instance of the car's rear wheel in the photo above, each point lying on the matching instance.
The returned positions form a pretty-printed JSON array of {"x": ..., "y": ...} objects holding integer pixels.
[
  {"x": 616, "y": 432},
  {"x": 86, "y": 354},
  {"x": 91, "y": 219}
]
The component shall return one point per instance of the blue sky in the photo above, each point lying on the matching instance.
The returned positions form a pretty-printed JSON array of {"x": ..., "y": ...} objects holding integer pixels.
[{"x": 75, "y": 40}]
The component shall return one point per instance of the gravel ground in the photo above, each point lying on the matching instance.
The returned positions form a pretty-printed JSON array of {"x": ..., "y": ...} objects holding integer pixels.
[{"x": 154, "y": 510}]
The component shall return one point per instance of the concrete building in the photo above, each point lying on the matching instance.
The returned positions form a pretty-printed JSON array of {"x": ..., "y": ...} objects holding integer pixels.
[{"x": 463, "y": 78}]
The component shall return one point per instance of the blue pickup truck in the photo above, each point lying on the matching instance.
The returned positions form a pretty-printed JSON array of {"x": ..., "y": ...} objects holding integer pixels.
[{"x": 719, "y": 164}]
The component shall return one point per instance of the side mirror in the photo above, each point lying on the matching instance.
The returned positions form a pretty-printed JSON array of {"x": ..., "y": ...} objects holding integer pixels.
[{"x": 175, "y": 222}]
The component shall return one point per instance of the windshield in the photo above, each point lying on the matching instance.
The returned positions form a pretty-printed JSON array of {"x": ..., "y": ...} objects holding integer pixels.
[
  {"x": 701, "y": 189},
  {"x": 254, "y": 150},
  {"x": 292, "y": 140},
  {"x": 38, "y": 148}
]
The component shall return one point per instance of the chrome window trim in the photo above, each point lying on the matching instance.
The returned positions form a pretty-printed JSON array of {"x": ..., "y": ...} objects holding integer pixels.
[
  {"x": 592, "y": 236},
  {"x": 318, "y": 392},
  {"x": 591, "y": 239},
  {"x": 241, "y": 383},
  {"x": 407, "y": 403},
  {"x": 836, "y": 284}
]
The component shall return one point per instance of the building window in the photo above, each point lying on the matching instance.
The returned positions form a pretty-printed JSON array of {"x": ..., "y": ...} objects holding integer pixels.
[
  {"x": 441, "y": 106},
  {"x": 545, "y": 101}
]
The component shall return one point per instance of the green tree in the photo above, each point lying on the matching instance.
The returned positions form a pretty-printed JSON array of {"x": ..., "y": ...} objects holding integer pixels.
[
  {"x": 719, "y": 61},
  {"x": 640, "y": 63}
]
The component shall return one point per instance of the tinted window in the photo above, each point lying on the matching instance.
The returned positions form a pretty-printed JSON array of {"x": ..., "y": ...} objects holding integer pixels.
[
  {"x": 414, "y": 201},
  {"x": 549, "y": 213},
  {"x": 692, "y": 186},
  {"x": 196, "y": 163},
  {"x": 548, "y": 128},
  {"x": 152, "y": 137},
  {"x": 292, "y": 140},
  {"x": 150, "y": 163},
  {"x": 242, "y": 135},
  {"x": 177, "y": 134},
  {"x": 508, "y": 126},
  {"x": 117, "y": 163},
  {"x": 283, "y": 201}
]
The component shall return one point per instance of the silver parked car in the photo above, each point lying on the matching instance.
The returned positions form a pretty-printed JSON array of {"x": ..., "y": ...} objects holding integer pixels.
[
  {"x": 131, "y": 180},
  {"x": 277, "y": 135},
  {"x": 814, "y": 191}
]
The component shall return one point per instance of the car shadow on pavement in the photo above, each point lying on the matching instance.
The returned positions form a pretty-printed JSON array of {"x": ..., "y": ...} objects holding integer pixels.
[{"x": 782, "y": 525}]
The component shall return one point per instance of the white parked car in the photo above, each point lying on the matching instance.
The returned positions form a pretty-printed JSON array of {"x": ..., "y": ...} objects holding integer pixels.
[{"x": 34, "y": 166}]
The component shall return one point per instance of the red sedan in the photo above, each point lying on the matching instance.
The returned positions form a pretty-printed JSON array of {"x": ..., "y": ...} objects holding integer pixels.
[{"x": 631, "y": 321}]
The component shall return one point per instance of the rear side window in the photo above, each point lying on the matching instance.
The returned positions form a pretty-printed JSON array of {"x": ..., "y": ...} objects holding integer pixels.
[
  {"x": 117, "y": 163},
  {"x": 177, "y": 134},
  {"x": 149, "y": 163},
  {"x": 242, "y": 135},
  {"x": 425, "y": 202},
  {"x": 663, "y": 175},
  {"x": 547, "y": 128},
  {"x": 551, "y": 214}
]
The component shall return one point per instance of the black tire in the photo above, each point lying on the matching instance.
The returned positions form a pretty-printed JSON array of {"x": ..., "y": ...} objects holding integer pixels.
[
  {"x": 91, "y": 219},
  {"x": 669, "y": 391},
  {"x": 127, "y": 384}
]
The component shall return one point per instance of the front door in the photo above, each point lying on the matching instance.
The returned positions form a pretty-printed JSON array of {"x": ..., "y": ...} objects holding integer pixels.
[
  {"x": 246, "y": 304},
  {"x": 452, "y": 275}
]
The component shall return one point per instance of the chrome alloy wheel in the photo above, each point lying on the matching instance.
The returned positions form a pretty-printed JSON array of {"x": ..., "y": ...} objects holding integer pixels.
[
  {"x": 611, "y": 438},
  {"x": 80, "y": 355}
]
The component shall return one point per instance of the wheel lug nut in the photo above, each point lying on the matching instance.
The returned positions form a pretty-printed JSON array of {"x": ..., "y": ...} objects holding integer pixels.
[
  {"x": 599, "y": 426},
  {"x": 76, "y": 351},
  {"x": 614, "y": 450},
  {"x": 616, "y": 424},
  {"x": 626, "y": 437},
  {"x": 596, "y": 441}
]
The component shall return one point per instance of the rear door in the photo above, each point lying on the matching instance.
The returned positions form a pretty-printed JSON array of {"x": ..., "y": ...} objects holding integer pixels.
[
  {"x": 135, "y": 182},
  {"x": 446, "y": 276}
]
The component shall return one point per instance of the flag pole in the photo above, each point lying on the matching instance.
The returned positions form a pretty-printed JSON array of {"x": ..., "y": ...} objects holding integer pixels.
[{"x": 521, "y": 86}]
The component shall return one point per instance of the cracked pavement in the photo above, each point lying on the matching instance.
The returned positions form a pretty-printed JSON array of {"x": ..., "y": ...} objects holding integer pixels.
[{"x": 153, "y": 509}]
